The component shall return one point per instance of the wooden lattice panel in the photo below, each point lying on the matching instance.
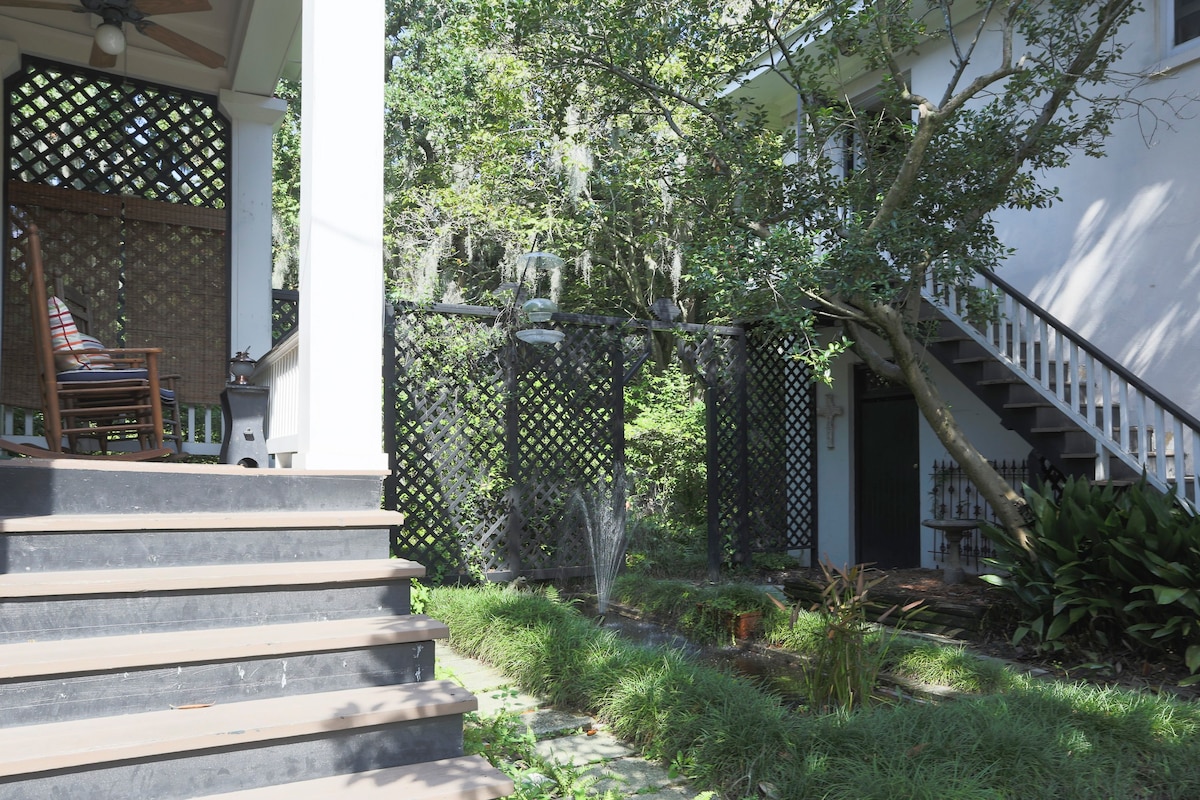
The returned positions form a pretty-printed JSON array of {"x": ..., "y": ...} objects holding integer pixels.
[
  {"x": 285, "y": 313},
  {"x": 781, "y": 453},
  {"x": 446, "y": 443},
  {"x": 95, "y": 132},
  {"x": 491, "y": 438},
  {"x": 128, "y": 183}
]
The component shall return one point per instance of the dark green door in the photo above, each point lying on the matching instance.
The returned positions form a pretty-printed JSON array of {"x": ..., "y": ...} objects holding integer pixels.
[{"x": 888, "y": 488}]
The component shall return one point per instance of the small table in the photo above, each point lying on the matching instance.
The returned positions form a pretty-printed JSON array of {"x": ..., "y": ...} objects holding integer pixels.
[
  {"x": 954, "y": 530},
  {"x": 244, "y": 440}
]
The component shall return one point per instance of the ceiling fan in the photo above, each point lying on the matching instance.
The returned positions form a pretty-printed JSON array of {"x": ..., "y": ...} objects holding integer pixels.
[{"x": 109, "y": 41}]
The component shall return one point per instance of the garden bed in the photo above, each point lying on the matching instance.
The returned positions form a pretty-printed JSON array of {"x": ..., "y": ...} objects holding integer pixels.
[{"x": 971, "y": 611}]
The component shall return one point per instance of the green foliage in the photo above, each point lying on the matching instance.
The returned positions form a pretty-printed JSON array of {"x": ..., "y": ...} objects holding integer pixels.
[
  {"x": 1110, "y": 568},
  {"x": 1038, "y": 740},
  {"x": 285, "y": 191},
  {"x": 418, "y": 596},
  {"x": 511, "y": 747},
  {"x": 846, "y": 659},
  {"x": 703, "y": 613},
  {"x": 661, "y": 547},
  {"x": 665, "y": 446}
]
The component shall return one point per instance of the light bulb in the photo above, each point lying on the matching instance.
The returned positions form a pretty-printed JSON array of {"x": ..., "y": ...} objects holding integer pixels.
[{"x": 110, "y": 38}]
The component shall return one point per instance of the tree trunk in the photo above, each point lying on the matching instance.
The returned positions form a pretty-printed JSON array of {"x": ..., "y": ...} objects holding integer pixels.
[{"x": 1009, "y": 506}]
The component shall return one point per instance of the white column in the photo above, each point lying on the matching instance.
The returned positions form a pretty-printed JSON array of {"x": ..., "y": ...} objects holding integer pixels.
[
  {"x": 341, "y": 238},
  {"x": 253, "y": 119}
]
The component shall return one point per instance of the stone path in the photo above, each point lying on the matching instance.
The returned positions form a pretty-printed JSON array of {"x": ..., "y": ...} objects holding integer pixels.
[{"x": 563, "y": 737}]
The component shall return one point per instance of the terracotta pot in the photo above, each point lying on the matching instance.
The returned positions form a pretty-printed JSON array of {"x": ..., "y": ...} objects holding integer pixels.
[{"x": 745, "y": 625}]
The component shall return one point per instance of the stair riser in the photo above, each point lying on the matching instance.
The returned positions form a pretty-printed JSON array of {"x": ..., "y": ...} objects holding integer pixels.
[
  {"x": 1020, "y": 393},
  {"x": 54, "y": 552},
  {"x": 995, "y": 370},
  {"x": 63, "y": 698},
  {"x": 71, "y": 618},
  {"x": 34, "y": 490},
  {"x": 252, "y": 765}
]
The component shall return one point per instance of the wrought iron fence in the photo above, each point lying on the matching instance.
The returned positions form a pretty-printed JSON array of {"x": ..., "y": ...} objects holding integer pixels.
[{"x": 954, "y": 496}]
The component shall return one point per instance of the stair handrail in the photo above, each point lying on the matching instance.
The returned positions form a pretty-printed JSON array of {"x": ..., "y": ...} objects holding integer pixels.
[{"x": 1037, "y": 346}]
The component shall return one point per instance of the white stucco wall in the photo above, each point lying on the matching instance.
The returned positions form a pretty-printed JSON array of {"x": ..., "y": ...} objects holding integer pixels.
[
  {"x": 1118, "y": 258},
  {"x": 835, "y": 466}
]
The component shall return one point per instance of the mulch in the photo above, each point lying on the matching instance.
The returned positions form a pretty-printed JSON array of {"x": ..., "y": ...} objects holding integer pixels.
[{"x": 1147, "y": 671}]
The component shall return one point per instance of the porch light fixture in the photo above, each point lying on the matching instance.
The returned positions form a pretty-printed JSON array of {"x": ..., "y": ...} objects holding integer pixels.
[
  {"x": 241, "y": 367},
  {"x": 539, "y": 310},
  {"x": 110, "y": 38}
]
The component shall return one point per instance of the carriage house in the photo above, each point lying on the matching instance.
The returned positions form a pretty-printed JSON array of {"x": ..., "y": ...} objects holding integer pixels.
[{"x": 1090, "y": 370}]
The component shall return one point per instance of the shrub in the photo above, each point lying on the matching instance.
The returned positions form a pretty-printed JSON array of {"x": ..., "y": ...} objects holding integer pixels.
[
  {"x": 845, "y": 660},
  {"x": 1110, "y": 568},
  {"x": 665, "y": 447}
]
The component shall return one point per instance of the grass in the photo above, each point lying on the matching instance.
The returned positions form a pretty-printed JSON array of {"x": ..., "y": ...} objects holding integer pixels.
[{"x": 1018, "y": 738}]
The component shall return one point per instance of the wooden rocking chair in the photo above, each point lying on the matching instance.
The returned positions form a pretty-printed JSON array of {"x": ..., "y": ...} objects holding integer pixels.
[{"x": 111, "y": 396}]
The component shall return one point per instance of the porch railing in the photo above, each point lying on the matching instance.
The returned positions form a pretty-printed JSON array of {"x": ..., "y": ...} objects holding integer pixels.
[
  {"x": 1130, "y": 422},
  {"x": 279, "y": 369},
  {"x": 201, "y": 428}
]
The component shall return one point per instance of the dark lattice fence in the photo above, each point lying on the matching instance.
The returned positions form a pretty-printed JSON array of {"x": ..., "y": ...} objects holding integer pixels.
[
  {"x": 491, "y": 437},
  {"x": 285, "y": 313},
  {"x": 761, "y": 446},
  {"x": 781, "y": 450}
]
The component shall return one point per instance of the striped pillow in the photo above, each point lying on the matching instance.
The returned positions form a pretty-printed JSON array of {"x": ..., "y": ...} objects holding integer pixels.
[{"x": 69, "y": 345}]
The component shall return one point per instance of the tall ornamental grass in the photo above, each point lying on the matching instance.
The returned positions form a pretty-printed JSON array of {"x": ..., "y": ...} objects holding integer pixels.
[{"x": 1036, "y": 740}]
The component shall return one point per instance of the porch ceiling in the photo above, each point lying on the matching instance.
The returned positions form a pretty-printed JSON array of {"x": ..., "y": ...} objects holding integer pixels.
[{"x": 260, "y": 40}]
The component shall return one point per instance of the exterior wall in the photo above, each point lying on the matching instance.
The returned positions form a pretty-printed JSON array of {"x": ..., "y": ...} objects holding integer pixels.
[
  {"x": 835, "y": 466},
  {"x": 1118, "y": 259}
]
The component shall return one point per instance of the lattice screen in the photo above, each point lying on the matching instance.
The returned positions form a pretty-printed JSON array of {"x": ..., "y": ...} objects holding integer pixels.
[
  {"x": 128, "y": 184},
  {"x": 781, "y": 447},
  {"x": 489, "y": 439},
  {"x": 95, "y": 132}
]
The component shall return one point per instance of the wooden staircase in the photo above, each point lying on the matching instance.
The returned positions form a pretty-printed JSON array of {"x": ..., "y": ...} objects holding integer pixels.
[
  {"x": 1083, "y": 413},
  {"x": 166, "y": 632}
]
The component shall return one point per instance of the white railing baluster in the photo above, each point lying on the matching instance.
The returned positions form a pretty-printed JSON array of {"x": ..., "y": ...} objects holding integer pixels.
[
  {"x": 1123, "y": 415},
  {"x": 1106, "y": 413},
  {"x": 1126, "y": 419},
  {"x": 1143, "y": 434},
  {"x": 1178, "y": 454},
  {"x": 1043, "y": 349},
  {"x": 1160, "y": 443}
]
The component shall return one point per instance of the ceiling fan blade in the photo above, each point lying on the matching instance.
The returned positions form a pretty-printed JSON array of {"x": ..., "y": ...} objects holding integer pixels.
[
  {"x": 182, "y": 44},
  {"x": 152, "y": 7},
  {"x": 101, "y": 59},
  {"x": 46, "y": 4}
]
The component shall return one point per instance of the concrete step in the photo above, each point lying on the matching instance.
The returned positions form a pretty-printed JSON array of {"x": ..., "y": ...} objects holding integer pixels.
[
  {"x": 48, "y": 607},
  {"x": 190, "y": 752},
  {"x": 56, "y": 542},
  {"x": 44, "y": 487},
  {"x": 64, "y": 680},
  {"x": 465, "y": 778},
  {"x": 26, "y": 585}
]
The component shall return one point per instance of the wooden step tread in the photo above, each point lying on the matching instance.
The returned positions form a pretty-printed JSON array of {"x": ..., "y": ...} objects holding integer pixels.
[
  {"x": 138, "y": 580},
  {"x": 463, "y": 778},
  {"x": 225, "y": 520},
  {"x": 24, "y": 660},
  {"x": 1058, "y": 429},
  {"x": 156, "y": 734}
]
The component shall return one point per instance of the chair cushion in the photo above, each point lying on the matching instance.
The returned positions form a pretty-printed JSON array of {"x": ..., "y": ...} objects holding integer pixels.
[
  {"x": 85, "y": 375},
  {"x": 71, "y": 347}
]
